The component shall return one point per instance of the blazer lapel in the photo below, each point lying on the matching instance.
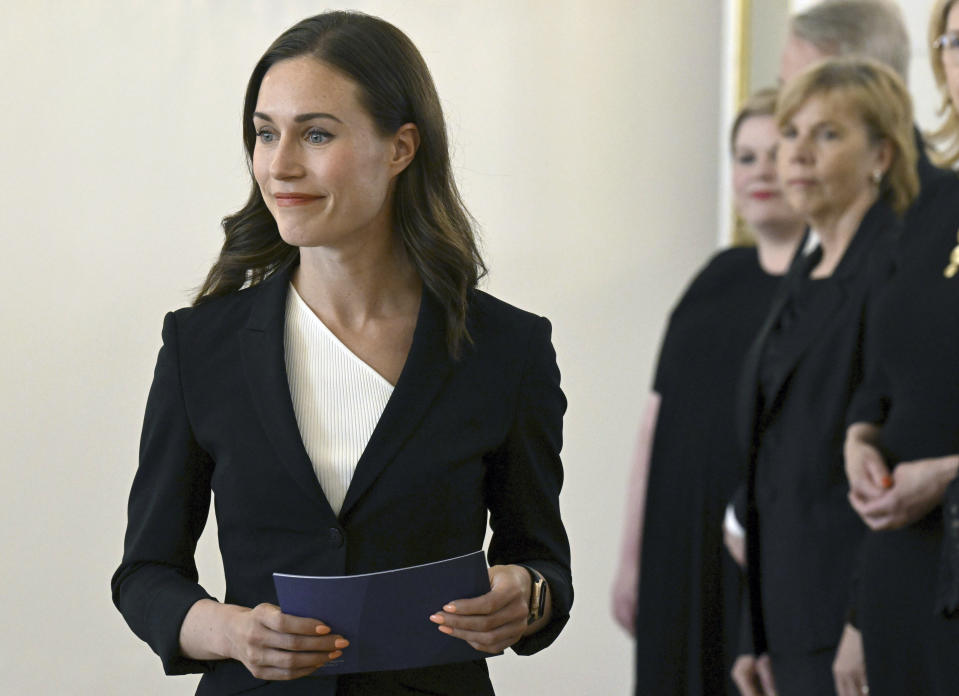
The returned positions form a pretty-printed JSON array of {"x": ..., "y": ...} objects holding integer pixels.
[
  {"x": 264, "y": 364},
  {"x": 809, "y": 326},
  {"x": 831, "y": 297},
  {"x": 748, "y": 401},
  {"x": 427, "y": 367}
]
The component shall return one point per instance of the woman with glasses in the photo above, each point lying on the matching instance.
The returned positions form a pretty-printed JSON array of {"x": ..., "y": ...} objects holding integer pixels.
[
  {"x": 944, "y": 36},
  {"x": 902, "y": 449}
]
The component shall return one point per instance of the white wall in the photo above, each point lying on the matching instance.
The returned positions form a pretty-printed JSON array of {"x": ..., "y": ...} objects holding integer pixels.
[{"x": 584, "y": 135}]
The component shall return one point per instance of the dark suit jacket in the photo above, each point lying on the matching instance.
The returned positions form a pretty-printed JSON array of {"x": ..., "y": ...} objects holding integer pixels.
[
  {"x": 457, "y": 439},
  {"x": 802, "y": 534}
]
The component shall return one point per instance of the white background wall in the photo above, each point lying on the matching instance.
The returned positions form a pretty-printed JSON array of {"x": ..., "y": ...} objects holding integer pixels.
[{"x": 585, "y": 144}]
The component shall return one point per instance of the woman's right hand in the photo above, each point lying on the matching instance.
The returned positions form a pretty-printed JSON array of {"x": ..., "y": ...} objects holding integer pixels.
[
  {"x": 274, "y": 645},
  {"x": 269, "y": 643},
  {"x": 865, "y": 467},
  {"x": 753, "y": 675}
]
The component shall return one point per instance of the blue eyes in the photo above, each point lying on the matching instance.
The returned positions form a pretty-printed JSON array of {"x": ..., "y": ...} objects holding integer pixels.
[
  {"x": 314, "y": 136},
  {"x": 264, "y": 136}
]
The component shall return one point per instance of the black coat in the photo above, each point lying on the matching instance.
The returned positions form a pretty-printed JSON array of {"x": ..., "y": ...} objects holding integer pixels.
[
  {"x": 457, "y": 439},
  {"x": 802, "y": 535}
]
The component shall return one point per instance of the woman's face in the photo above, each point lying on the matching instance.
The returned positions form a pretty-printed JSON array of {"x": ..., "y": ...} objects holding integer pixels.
[
  {"x": 759, "y": 198},
  {"x": 950, "y": 56},
  {"x": 826, "y": 159},
  {"x": 325, "y": 171}
]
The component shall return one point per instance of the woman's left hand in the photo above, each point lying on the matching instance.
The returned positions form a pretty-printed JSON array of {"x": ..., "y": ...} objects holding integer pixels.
[
  {"x": 917, "y": 487},
  {"x": 494, "y": 621}
]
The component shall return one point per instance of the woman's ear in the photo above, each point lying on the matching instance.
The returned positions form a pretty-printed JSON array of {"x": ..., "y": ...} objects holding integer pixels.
[
  {"x": 884, "y": 155},
  {"x": 406, "y": 141}
]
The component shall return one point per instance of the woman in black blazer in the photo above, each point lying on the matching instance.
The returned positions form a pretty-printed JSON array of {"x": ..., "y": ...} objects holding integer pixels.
[
  {"x": 847, "y": 163},
  {"x": 902, "y": 447},
  {"x": 354, "y": 210}
]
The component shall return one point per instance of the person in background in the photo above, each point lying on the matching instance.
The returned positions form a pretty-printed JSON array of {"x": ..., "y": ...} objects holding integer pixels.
[
  {"x": 847, "y": 162},
  {"x": 867, "y": 28},
  {"x": 355, "y": 401},
  {"x": 831, "y": 28},
  {"x": 902, "y": 447},
  {"x": 687, "y": 614},
  {"x": 874, "y": 29},
  {"x": 944, "y": 57}
]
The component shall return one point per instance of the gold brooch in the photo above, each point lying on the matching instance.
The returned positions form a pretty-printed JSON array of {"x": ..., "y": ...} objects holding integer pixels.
[{"x": 953, "y": 266}]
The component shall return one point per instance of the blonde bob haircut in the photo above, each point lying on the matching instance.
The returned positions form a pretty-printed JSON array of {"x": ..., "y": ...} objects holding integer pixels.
[
  {"x": 879, "y": 97},
  {"x": 946, "y": 136}
]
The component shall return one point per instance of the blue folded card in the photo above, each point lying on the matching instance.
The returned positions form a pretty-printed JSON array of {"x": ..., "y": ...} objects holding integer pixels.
[{"x": 385, "y": 615}]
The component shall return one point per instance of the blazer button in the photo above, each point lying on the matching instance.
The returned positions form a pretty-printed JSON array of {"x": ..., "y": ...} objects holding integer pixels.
[{"x": 335, "y": 536}]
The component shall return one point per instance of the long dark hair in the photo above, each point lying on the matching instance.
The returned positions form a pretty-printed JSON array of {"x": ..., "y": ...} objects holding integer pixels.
[{"x": 395, "y": 87}]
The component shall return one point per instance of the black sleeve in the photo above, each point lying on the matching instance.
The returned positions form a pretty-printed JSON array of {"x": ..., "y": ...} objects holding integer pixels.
[
  {"x": 947, "y": 589},
  {"x": 870, "y": 403},
  {"x": 746, "y": 646},
  {"x": 524, "y": 479},
  {"x": 156, "y": 583},
  {"x": 739, "y": 504},
  {"x": 855, "y": 581}
]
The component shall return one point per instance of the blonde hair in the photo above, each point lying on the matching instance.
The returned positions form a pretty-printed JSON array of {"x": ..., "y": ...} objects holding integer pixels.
[
  {"x": 880, "y": 99},
  {"x": 870, "y": 28},
  {"x": 760, "y": 103},
  {"x": 946, "y": 136}
]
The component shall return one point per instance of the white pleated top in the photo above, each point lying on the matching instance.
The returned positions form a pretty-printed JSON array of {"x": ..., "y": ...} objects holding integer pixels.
[{"x": 338, "y": 399}]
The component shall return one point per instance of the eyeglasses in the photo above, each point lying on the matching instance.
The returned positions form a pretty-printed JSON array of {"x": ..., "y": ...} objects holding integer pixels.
[{"x": 948, "y": 46}]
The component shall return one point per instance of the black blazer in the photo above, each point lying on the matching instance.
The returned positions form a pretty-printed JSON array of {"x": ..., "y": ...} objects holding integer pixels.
[
  {"x": 802, "y": 535},
  {"x": 457, "y": 439}
]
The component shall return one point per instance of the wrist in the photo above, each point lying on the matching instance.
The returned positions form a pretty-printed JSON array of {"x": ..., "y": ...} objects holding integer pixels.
[
  {"x": 536, "y": 597},
  {"x": 225, "y": 628},
  {"x": 948, "y": 469},
  {"x": 207, "y": 629},
  {"x": 862, "y": 434}
]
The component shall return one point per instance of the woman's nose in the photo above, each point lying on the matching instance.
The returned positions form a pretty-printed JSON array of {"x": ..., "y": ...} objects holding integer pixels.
[
  {"x": 800, "y": 149},
  {"x": 767, "y": 166},
  {"x": 286, "y": 162}
]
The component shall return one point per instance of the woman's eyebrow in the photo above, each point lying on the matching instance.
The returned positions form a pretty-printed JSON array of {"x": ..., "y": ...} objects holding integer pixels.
[{"x": 300, "y": 117}]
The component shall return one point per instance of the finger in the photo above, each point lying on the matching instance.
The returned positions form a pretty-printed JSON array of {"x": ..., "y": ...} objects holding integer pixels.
[
  {"x": 886, "y": 523},
  {"x": 865, "y": 488},
  {"x": 877, "y": 472},
  {"x": 746, "y": 681},
  {"x": 875, "y": 515},
  {"x": 288, "y": 623},
  {"x": 483, "y": 622},
  {"x": 859, "y": 506},
  {"x": 299, "y": 643},
  {"x": 493, "y": 641},
  {"x": 844, "y": 684},
  {"x": 764, "y": 669},
  {"x": 489, "y": 603},
  {"x": 281, "y": 664},
  {"x": 852, "y": 685},
  {"x": 882, "y": 506},
  {"x": 275, "y": 673}
]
